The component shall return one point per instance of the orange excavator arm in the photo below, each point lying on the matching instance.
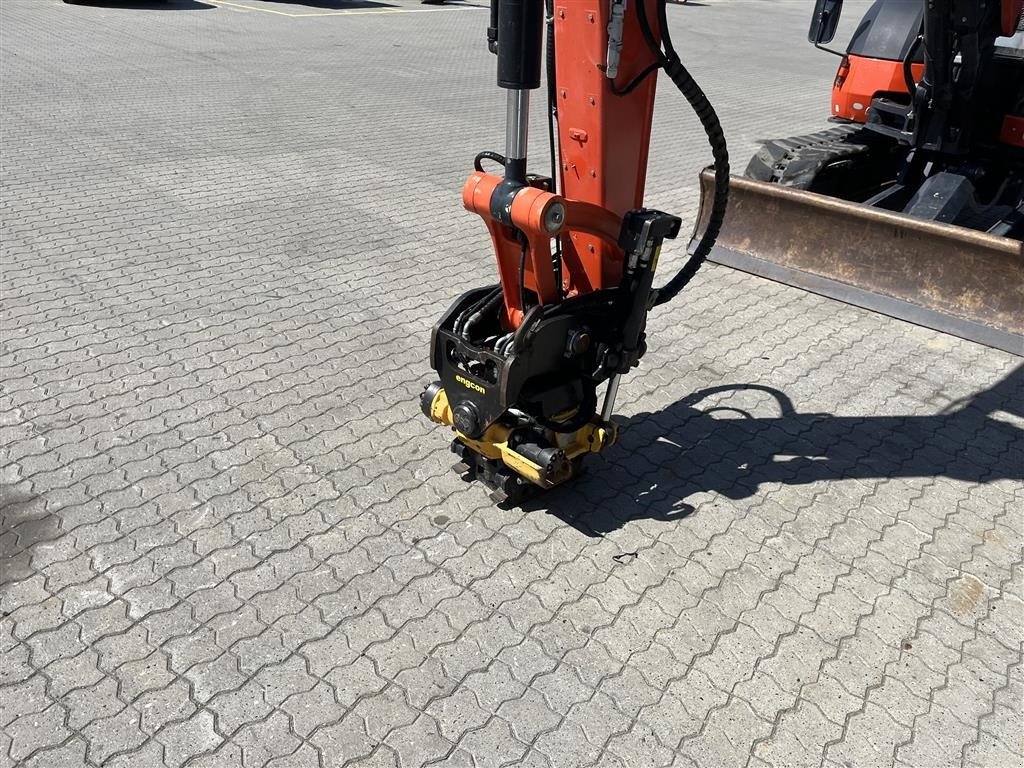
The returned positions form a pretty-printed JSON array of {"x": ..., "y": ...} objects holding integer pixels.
[{"x": 520, "y": 362}]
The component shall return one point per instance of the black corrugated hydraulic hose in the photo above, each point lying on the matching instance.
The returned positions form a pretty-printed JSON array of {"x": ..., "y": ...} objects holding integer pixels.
[
  {"x": 487, "y": 155},
  {"x": 669, "y": 61},
  {"x": 716, "y": 138},
  {"x": 460, "y": 327}
]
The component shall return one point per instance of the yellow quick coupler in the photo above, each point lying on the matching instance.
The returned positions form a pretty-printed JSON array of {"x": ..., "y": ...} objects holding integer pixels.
[{"x": 494, "y": 445}]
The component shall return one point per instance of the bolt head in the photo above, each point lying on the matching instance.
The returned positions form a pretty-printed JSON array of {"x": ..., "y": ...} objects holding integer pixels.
[
  {"x": 554, "y": 218},
  {"x": 466, "y": 418}
]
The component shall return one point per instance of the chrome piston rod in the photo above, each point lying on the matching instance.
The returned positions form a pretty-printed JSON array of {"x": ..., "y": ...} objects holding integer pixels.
[
  {"x": 517, "y": 123},
  {"x": 609, "y": 397}
]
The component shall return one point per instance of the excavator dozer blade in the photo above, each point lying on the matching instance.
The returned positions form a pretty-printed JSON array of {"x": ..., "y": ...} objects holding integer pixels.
[{"x": 955, "y": 280}]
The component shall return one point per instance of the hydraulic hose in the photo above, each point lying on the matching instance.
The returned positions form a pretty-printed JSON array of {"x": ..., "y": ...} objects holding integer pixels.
[
  {"x": 720, "y": 152},
  {"x": 669, "y": 61},
  {"x": 476, "y": 317},
  {"x": 487, "y": 155},
  {"x": 459, "y": 326}
]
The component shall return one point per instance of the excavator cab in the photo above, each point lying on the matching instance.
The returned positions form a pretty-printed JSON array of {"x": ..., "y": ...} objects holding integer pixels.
[{"x": 911, "y": 203}]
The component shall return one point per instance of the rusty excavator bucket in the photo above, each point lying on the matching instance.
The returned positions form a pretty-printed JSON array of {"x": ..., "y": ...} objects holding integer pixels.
[{"x": 955, "y": 280}]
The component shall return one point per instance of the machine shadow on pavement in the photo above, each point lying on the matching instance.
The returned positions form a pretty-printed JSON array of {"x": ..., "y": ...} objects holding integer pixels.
[
  {"x": 146, "y": 5},
  {"x": 664, "y": 458}
]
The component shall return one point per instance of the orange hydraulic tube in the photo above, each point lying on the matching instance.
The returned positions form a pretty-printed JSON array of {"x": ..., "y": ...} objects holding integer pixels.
[
  {"x": 537, "y": 216},
  {"x": 604, "y": 128}
]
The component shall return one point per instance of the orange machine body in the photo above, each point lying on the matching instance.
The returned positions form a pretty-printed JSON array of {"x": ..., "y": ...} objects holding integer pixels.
[
  {"x": 529, "y": 212},
  {"x": 859, "y": 79},
  {"x": 1012, "y": 10},
  {"x": 1012, "y": 132},
  {"x": 603, "y": 141}
]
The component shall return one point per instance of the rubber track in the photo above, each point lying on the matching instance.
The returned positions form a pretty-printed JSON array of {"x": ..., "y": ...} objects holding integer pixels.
[{"x": 795, "y": 161}]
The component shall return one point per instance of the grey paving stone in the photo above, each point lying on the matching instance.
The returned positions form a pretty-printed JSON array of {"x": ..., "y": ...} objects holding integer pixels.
[
  {"x": 114, "y": 735},
  {"x": 191, "y": 736},
  {"x": 71, "y": 754},
  {"x": 457, "y": 714},
  {"x": 494, "y": 744},
  {"x": 268, "y": 740},
  {"x": 418, "y": 743},
  {"x": 36, "y": 731},
  {"x": 343, "y": 741},
  {"x": 228, "y": 538}
]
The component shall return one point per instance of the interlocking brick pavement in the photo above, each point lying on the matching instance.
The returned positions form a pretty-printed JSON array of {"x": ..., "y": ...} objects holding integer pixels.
[{"x": 229, "y": 538}]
